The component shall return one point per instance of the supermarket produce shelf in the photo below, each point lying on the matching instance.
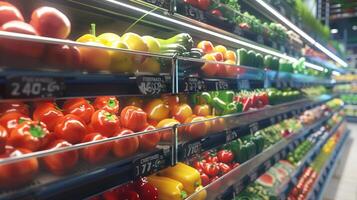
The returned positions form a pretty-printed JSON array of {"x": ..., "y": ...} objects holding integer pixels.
[
  {"x": 245, "y": 123},
  {"x": 236, "y": 180},
  {"x": 169, "y": 20},
  {"x": 327, "y": 171},
  {"x": 330, "y": 169},
  {"x": 88, "y": 180},
  {"x": 306, "y": 160}
]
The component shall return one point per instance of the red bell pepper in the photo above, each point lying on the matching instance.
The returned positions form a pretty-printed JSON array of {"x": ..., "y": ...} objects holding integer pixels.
[{"x": 146, "y": 190}]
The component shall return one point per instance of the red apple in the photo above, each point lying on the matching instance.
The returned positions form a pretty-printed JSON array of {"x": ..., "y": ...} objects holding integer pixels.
[{"x": 8, "y": 13}]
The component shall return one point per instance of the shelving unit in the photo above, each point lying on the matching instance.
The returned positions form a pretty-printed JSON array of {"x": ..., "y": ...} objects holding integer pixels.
[{"x": 31, "y": 80}]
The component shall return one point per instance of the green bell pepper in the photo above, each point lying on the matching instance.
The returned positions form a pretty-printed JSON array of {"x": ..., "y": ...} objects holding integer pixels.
[{"x": 226, "y": 96}]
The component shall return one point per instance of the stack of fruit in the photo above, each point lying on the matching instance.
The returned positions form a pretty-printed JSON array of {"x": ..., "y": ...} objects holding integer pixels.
[
  {"x": 268, "y": 184},
  {"x": 281, "y": 96},
  {"x": 295, "y": 156},
  {"x": 213, "y": 164}
]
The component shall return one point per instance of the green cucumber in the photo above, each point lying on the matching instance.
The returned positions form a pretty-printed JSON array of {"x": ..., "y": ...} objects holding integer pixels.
[
  {"x": 242, "y": 57},
  {"x": 252, "y": 59}
]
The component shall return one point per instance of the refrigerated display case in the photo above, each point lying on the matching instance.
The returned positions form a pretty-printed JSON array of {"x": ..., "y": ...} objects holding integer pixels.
[{"x": 100, "y": 99}]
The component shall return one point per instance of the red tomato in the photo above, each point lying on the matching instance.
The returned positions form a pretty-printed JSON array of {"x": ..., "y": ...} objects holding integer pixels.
[
  {"x": 108, "y": 103},
  {"x": 133, "y": 118},
  {"x": 224, "y": 168},
  {"x": 48, "y": 114},
  {"x": 20, "y": 48},
  {"x": 14, "y": 106},
  {"x": 105, "y": 123},
  {"x": 125, "y": 147},
  {"x": 17, "y": 173},
  {"x": 225, "y": 156},
  {"x": 216, "y": 12},
  {"x": 149, "y": 141},
  {"x": 11, "y": 119},
  {"x": 213, "y": 179},
  {"x": 95, "y": 153},
  {"x": 63, "y": 56},
  {"x": 146, "y": 190},
  {"x": 206, "y": 46},
  {"x": 41, "y": 103},
  {"x": 70, "y": 128},
  {"x": 191, "y": 2},
  {"x": 31, "y": 135},
  {"x": 203, "y": 4},
  {"x": 3, "y": 138},
  {"x": 199, "y": 164},
  {"x": 211, "y": 169},
  {"x": 129, "y": 195},
  {"x": 212, "y": 159},
  {"x": 60, "y": 163},
  {"x": 50, "y": 22},
  {"x": 204, "y": 179},
  {"x": 80, "y": 107},
  {"x": 8, "y": 12},
  {"x": 110, "y": 195}
]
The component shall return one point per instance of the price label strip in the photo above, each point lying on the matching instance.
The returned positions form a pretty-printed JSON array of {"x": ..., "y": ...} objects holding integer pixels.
[
  {"x": 243, "y": 84},
  {"x": 231, "y": 135},
  {"x": 30, "y": 87},
  {"x": 151, "y": 85},
  {"x": 194, "y": 12},
  {"x": 221, "y": 85},
  {"x": 149, "y": 164},
  {"x": 194, "y": 84},
  {"x": 191, "y": 149},
  {"x": 253, "y": 127},
  {"x": 160, "y": 3}
]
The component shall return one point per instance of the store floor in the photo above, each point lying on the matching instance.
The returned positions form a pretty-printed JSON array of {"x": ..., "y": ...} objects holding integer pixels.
[{"x": 343, "y": 185}]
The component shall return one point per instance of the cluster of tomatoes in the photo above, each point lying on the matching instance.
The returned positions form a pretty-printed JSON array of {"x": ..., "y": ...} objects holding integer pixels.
[
  {"x": 45, "y": 21},
  {"x": 52, "y": 128},
  {"x": 304, "y": 185},
  {"x": 213, "y": 164}
]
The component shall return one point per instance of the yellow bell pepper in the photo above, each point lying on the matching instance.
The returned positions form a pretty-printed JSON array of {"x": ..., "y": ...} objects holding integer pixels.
[
  {"x": 201, "y": 195},
  {"x": 169, "y": 189},
  {"x": 188, "y": 176}
]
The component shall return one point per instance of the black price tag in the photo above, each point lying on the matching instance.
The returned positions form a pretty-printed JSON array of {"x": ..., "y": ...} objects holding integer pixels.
[
  {"x": 243, "y": 84},
  {"x": 191, "y": 149},
  {"x": 151, "y": 85},
  {"x": 237, "y": 30},
  {"x": 231, "y": 135},
  {"x": 26, "y": 86},
  {"x": 260, "y": 39},
  {"x": 294, "y": 113},
  {"x": 279, "y": 118},
  {"x": 285, "y": 116},
  {"x": 253, "y": 127},
  {"x": 149, "y": 164},
  {"x": 194, "y": 84},
  {"x": 221, "y": 85}
]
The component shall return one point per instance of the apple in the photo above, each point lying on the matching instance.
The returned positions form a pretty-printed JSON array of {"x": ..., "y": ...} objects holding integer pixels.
[
  {"x": 209, "y": 69},
  {"x": 199, "y": 127},
  {"x": 206, "y": 46},
  {"x": 63, "y": 56},
  {"x": 8, "y": 13},
  {"x": 50, "y": 22},
  {"x": 202, "y": 110},
  {"x": 181, "y": 112},
  {"x": 157, "y": 110}
]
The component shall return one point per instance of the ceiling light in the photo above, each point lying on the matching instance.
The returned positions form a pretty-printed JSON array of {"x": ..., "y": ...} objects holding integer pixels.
[{"x": 334, "y": 31}]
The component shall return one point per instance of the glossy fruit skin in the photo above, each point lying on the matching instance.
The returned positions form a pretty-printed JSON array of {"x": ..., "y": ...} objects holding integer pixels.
[
  {"x": 149, "y": 141},
  {"x": 48, "y": 114},
  {"x": 230, "y": 69},
  {"x": 19, "y": 173},
  {"x": 81, "y": 108},
  {"x": 146, "y": 190},
  {"x": 206, "y": 46},
  {"x": 125, "y": 147},
  {"x": 211, "y": 169},
  {"x": 3, "y": 138},
  {"x": 199, "y": 164},
  {"x": 209, "y": 69},
  {"x": 225, "y": 156},
  {"x": 95, "y": 153},
  {"x": 18, "y": 47},
  {"x": 216, "y": 12},
  {"x": 203, "y": 4},
  {"x": 204, "y": 179},
  {"x": 166, "y": 135},
  {"x": 133, "y": 118},
  {"x": 14, "y": 106},
  {"x": 181, "y": 112},
  {"x": 157, "y": 110},
  {"x": 230, "y": 55},
  {"x": 224, "y": 168},
  {"x": 198, "y": 128},
  {"x": 94, "y": 58},
  {"x": 8, "y": 13},
  {"x": 31, "y": 135},
  {"x": 60, "y": 163},
  {"x": 11, "y": 119},
  {"x": 219, "y": 57},
  {"x": 202, "y": 110},
  {"x": 104, "y": 123},
  {"x": 63, "y": 56},
  {"x": 70, "y": 128},
  {"x": 108, "y": 103},
  {"x": 134, "y": 101},
  {"x": 50, "y": 22}
]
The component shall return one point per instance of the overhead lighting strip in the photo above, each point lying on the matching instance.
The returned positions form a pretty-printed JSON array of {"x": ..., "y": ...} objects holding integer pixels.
[{"x": 302, "y": 33}]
